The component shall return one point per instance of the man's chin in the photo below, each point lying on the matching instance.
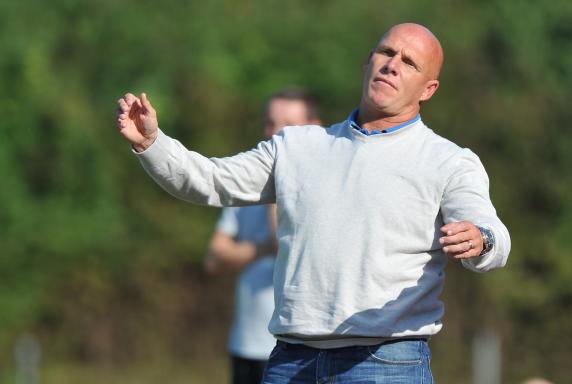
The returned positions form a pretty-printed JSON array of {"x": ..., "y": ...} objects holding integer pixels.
[{"x": 380, "y": 104}]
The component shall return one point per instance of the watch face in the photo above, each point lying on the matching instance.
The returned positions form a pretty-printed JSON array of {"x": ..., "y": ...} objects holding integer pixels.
[{"x": 488, "y": 239}]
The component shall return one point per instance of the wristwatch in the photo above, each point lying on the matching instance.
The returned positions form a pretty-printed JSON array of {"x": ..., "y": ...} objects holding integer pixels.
[{"x": 488, "y": 240}]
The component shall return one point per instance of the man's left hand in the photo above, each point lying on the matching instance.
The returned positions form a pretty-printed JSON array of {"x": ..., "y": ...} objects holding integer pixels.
[{"x": 462, "y": 240}]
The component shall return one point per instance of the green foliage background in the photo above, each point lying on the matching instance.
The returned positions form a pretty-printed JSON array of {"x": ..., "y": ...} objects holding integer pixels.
[{"x": 104, "y": 267}]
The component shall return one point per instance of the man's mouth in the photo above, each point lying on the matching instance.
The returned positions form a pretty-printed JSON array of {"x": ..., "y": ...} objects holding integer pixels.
[{"x": 384, "y": 80}]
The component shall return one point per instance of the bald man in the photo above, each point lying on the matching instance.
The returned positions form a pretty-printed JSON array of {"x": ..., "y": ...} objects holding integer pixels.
[{"x": 369, "y": 212}]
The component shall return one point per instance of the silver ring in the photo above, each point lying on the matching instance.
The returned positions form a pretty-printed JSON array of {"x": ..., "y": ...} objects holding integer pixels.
[{"x": 471, "y": 246}]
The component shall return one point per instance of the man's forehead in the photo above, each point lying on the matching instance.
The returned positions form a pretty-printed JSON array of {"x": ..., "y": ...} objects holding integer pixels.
[
  {"x": 415, "y": 40},
  {"x": 408, "y": 38}
]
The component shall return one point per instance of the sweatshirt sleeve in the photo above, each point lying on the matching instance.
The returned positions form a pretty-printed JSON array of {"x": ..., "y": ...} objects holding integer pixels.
[
  {"x": 243, "y": 179},
  {"x": 228, "y": 221},
  {"x": 466, "y": 197}
]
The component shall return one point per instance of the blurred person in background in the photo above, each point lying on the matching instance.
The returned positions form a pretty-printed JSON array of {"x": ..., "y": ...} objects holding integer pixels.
[
  {"x": 369, "y": 211},
  {"x": 245, "y": 240}
]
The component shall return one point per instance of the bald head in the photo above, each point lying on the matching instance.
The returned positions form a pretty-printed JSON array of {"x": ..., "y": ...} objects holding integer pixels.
[
  {"x": 427, "y": 43},
  {"x": 402, "y": 73}
]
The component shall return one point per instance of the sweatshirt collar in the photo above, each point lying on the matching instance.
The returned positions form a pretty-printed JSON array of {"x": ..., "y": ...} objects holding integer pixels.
[{"x": 354, "y": 124}]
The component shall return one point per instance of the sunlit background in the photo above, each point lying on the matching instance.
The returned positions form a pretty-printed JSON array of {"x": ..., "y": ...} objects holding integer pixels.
[{"x": 100, "y": 270}]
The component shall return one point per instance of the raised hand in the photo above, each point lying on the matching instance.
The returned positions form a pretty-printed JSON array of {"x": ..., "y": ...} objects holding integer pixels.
[{"x": 137, "y": 121}]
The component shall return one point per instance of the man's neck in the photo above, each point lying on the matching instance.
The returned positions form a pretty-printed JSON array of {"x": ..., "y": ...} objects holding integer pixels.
[{"x": 379, "y": 121}]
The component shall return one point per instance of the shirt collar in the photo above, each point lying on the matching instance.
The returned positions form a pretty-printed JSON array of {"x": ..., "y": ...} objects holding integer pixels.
[{"x": 354, "y": 124}]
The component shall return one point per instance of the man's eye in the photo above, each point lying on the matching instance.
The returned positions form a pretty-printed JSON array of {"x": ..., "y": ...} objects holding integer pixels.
[
  {"x": 386, "y": 52},
  {"x": 410, "y": 63}
]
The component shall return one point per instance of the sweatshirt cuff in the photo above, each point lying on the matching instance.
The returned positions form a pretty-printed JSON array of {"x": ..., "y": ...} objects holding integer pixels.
[
  {"x": 493, "y": 259},
  {"x": 152, "y": 151}
]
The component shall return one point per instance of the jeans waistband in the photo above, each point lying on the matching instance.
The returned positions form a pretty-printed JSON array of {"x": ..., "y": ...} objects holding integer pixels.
[{"x": 300, "y": 346}]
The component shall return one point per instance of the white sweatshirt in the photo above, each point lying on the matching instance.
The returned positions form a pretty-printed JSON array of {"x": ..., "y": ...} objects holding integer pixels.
[{"x": 358, "y": 223}]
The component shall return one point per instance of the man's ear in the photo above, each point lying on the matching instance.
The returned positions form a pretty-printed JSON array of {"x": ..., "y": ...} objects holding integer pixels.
[{"x": 430, "y": 89}]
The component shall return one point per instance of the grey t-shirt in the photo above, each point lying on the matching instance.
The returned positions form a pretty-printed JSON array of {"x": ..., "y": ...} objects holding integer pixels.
[{"x": 254, "y": 297}]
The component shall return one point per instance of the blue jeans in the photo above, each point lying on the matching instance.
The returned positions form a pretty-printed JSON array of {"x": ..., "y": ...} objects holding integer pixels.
[{"x": 395, "y": 362}]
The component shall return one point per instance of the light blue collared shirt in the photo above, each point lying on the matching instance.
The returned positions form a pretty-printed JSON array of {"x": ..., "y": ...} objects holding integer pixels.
[{"x": 354, "y": 124}]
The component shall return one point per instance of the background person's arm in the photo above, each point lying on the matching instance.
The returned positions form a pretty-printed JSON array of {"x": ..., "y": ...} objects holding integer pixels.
[{"x": 227, "y": 254}]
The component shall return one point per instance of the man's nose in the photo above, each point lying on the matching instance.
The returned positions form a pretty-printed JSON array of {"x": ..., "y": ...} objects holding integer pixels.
[{"x": 391, "y": 66}]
